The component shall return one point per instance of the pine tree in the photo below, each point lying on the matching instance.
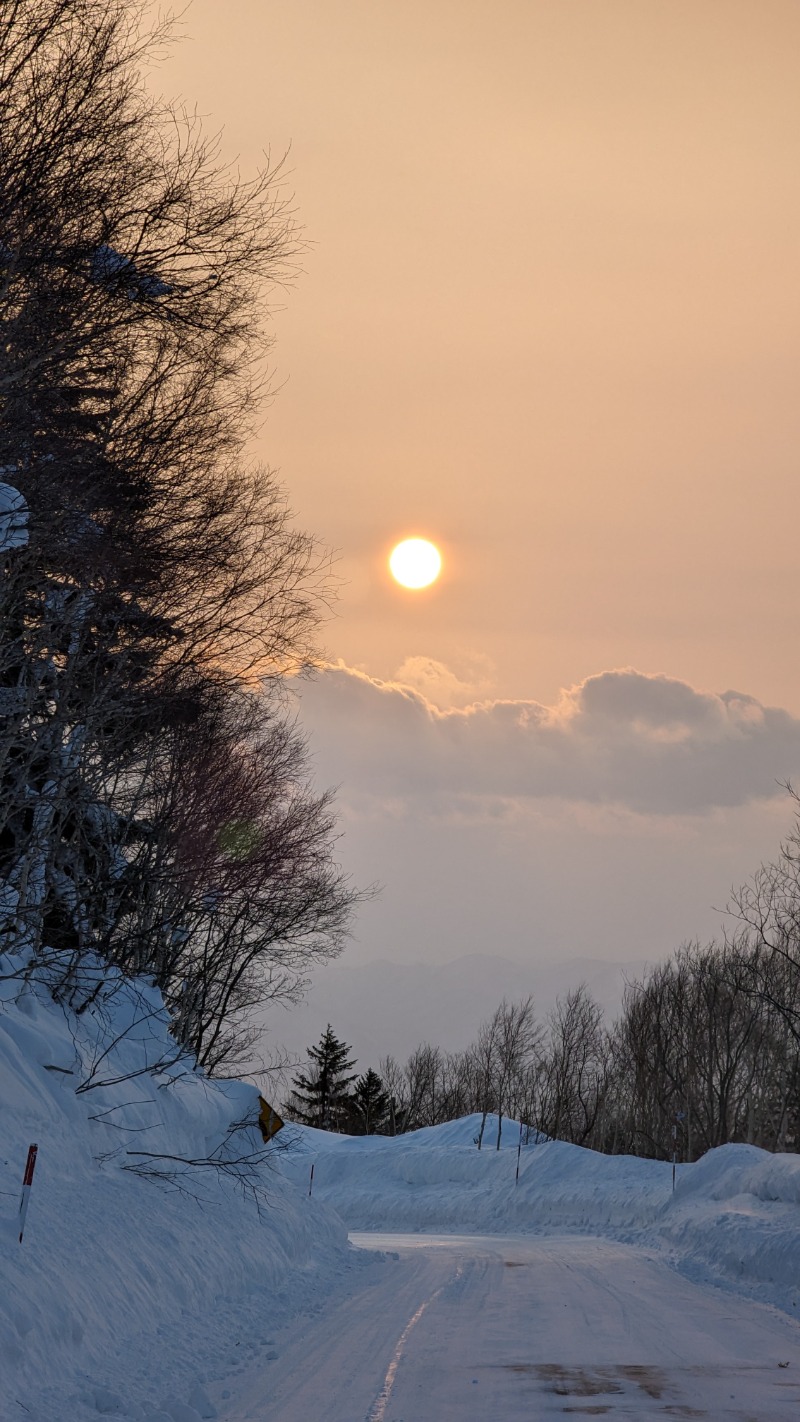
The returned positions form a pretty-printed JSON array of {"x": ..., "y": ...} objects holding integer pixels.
[
  {"x": 371, "y": 1102},
  {"x": 321, "y": 1096}
]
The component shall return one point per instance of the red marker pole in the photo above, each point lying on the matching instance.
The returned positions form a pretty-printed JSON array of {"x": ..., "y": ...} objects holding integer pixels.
[{"x": 27, "y": 1181}]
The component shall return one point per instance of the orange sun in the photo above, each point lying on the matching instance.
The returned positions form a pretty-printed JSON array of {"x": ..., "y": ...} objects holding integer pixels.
[{"x": 415, "y": 563}]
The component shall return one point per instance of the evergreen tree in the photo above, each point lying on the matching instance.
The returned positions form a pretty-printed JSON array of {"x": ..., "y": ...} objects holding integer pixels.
[
  {"x": 321, "y": 1095},
  {"x": 371, "y": 1102}
]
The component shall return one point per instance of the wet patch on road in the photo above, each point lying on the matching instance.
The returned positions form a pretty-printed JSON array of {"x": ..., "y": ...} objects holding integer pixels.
[
  {"x": 589, "y": 1411},
  {"x": 595, "y": 1384},
  {"x": 614, "y": 1389},
  {"x": 577, "y": 1382}
]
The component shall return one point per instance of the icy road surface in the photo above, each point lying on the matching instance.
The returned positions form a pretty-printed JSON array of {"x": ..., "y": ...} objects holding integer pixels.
[{"x": 493, "y": 1329}]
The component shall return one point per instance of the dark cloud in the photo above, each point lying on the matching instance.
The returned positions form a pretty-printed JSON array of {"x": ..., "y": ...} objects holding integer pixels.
[{"x": 651, "y": 743}]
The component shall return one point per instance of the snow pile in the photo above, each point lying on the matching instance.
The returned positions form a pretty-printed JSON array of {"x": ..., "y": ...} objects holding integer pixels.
[
  {"x": 436, "y": 1179},
  {"x": 733, "y": 1215},
  {"x": 141, "y": 1280},
  {"x": 736, "y": 1212},
  {"x": 164, "y": 1247}
]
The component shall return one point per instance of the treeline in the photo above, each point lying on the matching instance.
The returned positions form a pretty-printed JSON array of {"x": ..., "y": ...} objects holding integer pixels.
[
  {"x": 155, "y": 808},
  {"x": 706, "y": 1050}
]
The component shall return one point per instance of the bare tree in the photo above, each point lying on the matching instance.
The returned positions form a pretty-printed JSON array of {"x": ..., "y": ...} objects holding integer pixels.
[
  {"x": 573, "y": 1072},
  {"x": 484, "y": 1057},
  {"x": 393, "y": 1078},
  {"x": 423, "y": 1087},
  {"x": 518, "y": 1040},
  {"x": 160, "y": 583},
  {"x": 765, "y": 926},
  {"x": 701, "y": 1052}
]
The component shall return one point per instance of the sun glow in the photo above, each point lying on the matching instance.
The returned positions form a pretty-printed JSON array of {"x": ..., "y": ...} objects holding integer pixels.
[{"x": 415, "y": 563}]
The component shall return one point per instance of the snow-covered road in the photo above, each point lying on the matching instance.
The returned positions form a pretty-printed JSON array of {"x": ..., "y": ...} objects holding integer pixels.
[{"x": 493, "y": 1329}]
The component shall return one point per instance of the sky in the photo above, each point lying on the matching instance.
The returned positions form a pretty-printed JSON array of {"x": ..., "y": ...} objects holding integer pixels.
[{"x": 549, "y": 317}]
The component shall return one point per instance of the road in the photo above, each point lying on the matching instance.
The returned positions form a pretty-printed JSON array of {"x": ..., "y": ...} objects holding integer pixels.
[{"x": 492, "y": 1329}]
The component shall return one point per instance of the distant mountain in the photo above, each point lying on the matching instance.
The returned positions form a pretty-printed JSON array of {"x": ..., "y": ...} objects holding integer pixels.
[{"x": 384, "y": 1007}]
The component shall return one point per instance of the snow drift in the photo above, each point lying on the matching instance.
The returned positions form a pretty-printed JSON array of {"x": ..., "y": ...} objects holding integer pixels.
[
  {"x": 733, "y": 1216},
  {"x": 129, "y": 1293},
  {"x": 164, "y": 1248},
  {"x": 436, "y": 1179}
]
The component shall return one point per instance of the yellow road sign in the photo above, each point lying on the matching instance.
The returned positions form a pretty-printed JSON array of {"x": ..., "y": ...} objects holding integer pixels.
[{"x": 268, "y": 1119}]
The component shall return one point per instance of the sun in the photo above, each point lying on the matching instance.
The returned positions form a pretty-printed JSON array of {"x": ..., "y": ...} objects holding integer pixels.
[{"x": 415, "y": 563}]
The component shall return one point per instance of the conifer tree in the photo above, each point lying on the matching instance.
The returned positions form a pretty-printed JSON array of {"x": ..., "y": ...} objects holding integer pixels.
[
  {"x": 321, "y": 1094},
  {"x": 371, "y": 1102}
]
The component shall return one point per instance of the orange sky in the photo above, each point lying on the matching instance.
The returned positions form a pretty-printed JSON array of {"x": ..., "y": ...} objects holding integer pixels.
[{"x": 550, "y": 317}]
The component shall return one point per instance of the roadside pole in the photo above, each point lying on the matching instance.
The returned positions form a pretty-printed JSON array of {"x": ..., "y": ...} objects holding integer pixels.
[
  {"x": 519, "y": 1152},
  {"x": 27, "y": 1181},
  {"x": 679, "y": 1116}
]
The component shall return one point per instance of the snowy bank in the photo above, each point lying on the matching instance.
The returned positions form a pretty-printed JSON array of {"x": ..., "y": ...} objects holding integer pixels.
[
  {"x": 734, "y": 1215},
  {"x": 437, "y": 1179},
  {"x": 149, "y": 1276},
  {"x": 131, "y": 1292}
]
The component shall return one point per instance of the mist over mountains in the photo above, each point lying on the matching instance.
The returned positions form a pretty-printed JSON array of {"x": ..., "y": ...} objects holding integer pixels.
[{"x": 383, "y": 1007}]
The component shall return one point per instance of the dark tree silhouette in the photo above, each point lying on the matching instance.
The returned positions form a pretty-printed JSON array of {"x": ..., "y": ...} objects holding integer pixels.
[
  {"x": 321, "y": 1095},
  {"x": 371, "y": 1103},
  {"x": 153, "y": 591}
]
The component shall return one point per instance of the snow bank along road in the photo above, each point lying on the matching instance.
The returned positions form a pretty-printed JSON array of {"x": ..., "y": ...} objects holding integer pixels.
[
  {"x": 139, "y": 1302},
  {"x": 499, "y": 1329}
]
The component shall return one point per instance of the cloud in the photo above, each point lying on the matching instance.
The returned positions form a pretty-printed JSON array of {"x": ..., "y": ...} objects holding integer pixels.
[
  {"x": 441, "y": 685},
  {"x": 653, "y": 744}
]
